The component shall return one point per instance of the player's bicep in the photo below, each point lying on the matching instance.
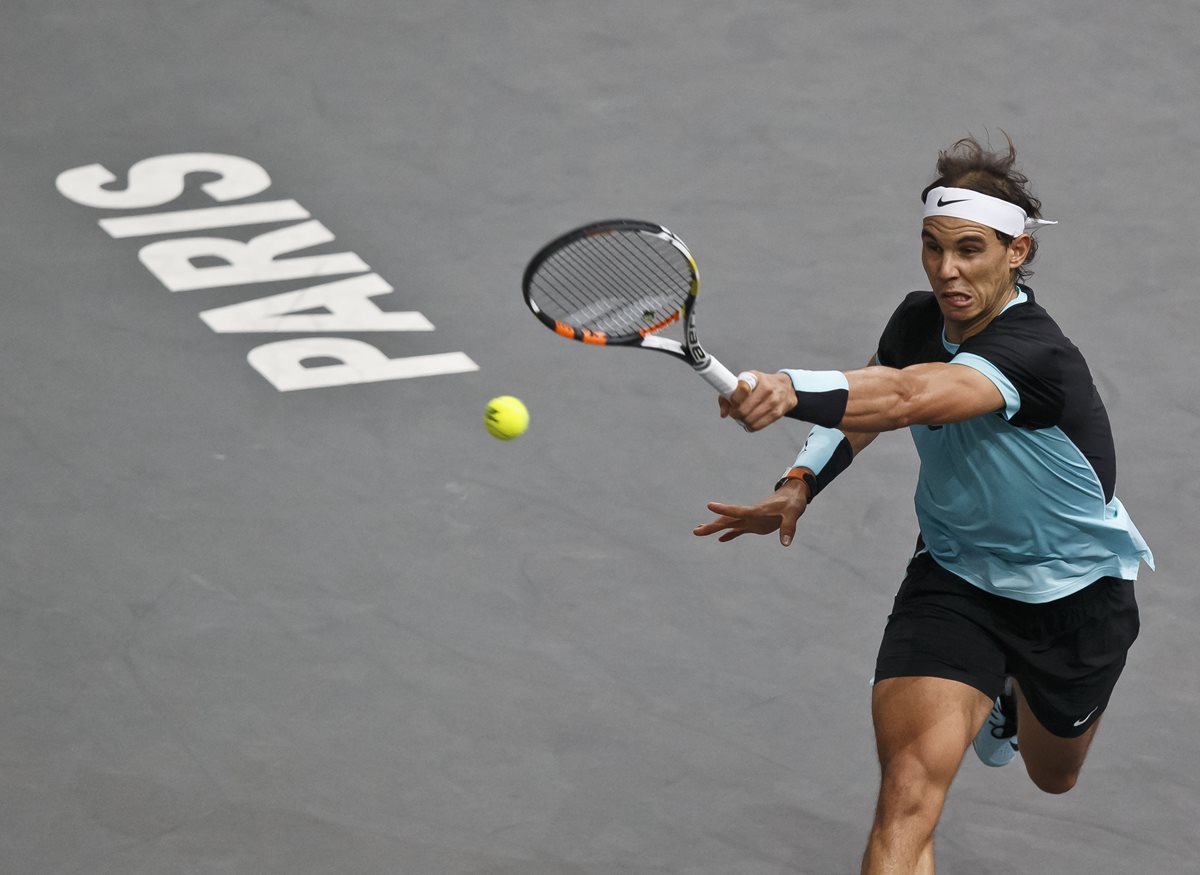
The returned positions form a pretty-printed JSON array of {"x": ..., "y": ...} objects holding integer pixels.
[{"x": 952, "y": 392}]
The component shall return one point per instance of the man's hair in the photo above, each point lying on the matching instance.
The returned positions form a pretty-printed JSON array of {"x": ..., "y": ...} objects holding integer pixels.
[{"x": 969, "y": 164}]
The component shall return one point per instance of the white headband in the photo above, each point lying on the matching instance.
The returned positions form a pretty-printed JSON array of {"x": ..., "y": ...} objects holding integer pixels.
[{"x": 974, "y": 206}]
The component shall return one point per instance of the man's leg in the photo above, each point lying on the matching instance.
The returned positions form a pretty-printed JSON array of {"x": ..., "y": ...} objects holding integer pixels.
[
  {"x": 1070, "y": 670},
  {"x": 1052, "y": 762},
  {"x": 923, "y": 726}
]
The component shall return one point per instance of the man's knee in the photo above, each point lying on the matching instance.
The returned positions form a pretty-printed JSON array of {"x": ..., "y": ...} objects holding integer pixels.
[
  {"x": 908, "y": 791},
  {"x": 1055, "y": 781},
  {"x": 1054, "y": 764}
]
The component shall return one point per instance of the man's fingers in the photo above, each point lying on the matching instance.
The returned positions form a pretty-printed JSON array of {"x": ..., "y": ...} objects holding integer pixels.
[
  {"x": 722, "y": 522},
  {"x": 711, "y": 528},
  {"x": 760, "y": 412},
  {"x": 787, "y": 531},
  {"x": 757, "y": 418},
  {"x": 749, "y": 379},
  {"x": 734, "y": 520},
  {"x": 734, "y": 405},
  {"x": 730, "y": 510}
]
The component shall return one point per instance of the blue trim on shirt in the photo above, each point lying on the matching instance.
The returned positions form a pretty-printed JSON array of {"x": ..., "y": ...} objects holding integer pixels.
[{"x": 1012, "y": 398}]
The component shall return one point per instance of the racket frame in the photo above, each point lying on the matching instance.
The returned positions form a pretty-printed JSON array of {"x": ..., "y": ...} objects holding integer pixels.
[{"x": 707, "y": 366}]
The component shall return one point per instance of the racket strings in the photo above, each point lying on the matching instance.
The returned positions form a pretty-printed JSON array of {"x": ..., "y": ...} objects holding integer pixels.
[
  {"x": 648, "y": 255},
  {"x": 618, "y": 283},
  {"x": 600, "y": 282},
  {"x": 628, "y": 282}
]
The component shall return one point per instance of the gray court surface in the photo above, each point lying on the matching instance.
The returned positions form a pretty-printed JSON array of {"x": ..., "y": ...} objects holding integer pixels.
[{"x": 341, "y": 629}]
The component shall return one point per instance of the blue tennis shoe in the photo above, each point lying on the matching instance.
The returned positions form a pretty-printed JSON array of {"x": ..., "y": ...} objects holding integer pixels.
[{"x": 996, "y": 741}]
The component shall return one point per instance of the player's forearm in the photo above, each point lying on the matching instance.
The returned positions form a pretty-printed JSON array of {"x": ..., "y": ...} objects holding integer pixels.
[
  {"x": 881, "y": 399},
  {"x": 867, "y": 401},
  {"x": 859, "y": 440}
]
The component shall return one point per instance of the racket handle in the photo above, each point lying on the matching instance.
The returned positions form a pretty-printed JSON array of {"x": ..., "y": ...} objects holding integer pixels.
[{"x": 718, "y": 376}]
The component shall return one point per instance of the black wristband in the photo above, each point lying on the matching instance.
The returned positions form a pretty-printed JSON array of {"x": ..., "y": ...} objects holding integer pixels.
[
  {"x": 838, "y": 462},
  {"x": 821, "y": 396},
  {"x": 827, "y": 464}
]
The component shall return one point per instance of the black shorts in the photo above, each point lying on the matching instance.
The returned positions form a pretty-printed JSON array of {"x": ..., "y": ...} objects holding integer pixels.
[{"x": 1066, "y": 654}]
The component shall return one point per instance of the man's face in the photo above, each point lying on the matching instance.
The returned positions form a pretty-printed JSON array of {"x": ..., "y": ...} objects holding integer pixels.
[{"x": 970, "y": 272}]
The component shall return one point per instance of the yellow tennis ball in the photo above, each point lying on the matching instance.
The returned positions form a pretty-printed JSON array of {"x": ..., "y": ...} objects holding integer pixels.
[{"x": 506, "y": 417}]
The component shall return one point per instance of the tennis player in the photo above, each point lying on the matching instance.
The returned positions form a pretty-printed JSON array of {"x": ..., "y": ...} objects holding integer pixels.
[{"x": 1017, "y": 610}]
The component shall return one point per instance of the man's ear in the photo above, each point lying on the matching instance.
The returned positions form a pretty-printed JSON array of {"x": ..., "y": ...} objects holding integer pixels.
[{"x": 1018, "y": 250}]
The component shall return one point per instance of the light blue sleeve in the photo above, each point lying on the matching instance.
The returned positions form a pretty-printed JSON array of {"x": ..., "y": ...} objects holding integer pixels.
[{"x": 1012, "y": 399}]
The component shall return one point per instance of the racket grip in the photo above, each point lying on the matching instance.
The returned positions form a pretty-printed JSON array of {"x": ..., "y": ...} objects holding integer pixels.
[
  {"x": 718, "y": 376},
  {"x": 721, "y": 379}
]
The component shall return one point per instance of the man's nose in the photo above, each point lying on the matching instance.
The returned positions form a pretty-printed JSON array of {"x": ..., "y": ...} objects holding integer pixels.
[{"x": 947, "y": 267}]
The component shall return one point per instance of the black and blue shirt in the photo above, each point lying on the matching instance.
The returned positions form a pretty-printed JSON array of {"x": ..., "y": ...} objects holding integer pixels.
[{"x": 1020, "y": 502}]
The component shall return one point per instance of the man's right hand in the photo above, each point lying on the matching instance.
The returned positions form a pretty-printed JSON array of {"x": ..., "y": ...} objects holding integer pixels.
[{"x": 772, "y": 397}]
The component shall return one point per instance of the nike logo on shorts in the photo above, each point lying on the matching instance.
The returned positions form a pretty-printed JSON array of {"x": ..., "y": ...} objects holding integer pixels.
[{"x": 1088, "y": 717}]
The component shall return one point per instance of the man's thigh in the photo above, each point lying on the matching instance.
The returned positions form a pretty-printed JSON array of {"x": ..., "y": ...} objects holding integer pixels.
[
  {"x": 942, "y": 627},
  {"x": 1069, "y": 654},
  {"x": 932, "y": 720}
]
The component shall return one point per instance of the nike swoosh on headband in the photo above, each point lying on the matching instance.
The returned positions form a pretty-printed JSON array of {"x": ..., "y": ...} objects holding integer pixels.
[{"x": 975, "y": 206}]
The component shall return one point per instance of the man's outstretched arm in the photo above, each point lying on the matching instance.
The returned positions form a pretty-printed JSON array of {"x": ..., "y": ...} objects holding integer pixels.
[{"x": 870, "y": 399}]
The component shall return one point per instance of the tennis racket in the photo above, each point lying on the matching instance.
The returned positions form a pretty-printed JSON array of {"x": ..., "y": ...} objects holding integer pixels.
[{"x": 619, "y": 283}]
